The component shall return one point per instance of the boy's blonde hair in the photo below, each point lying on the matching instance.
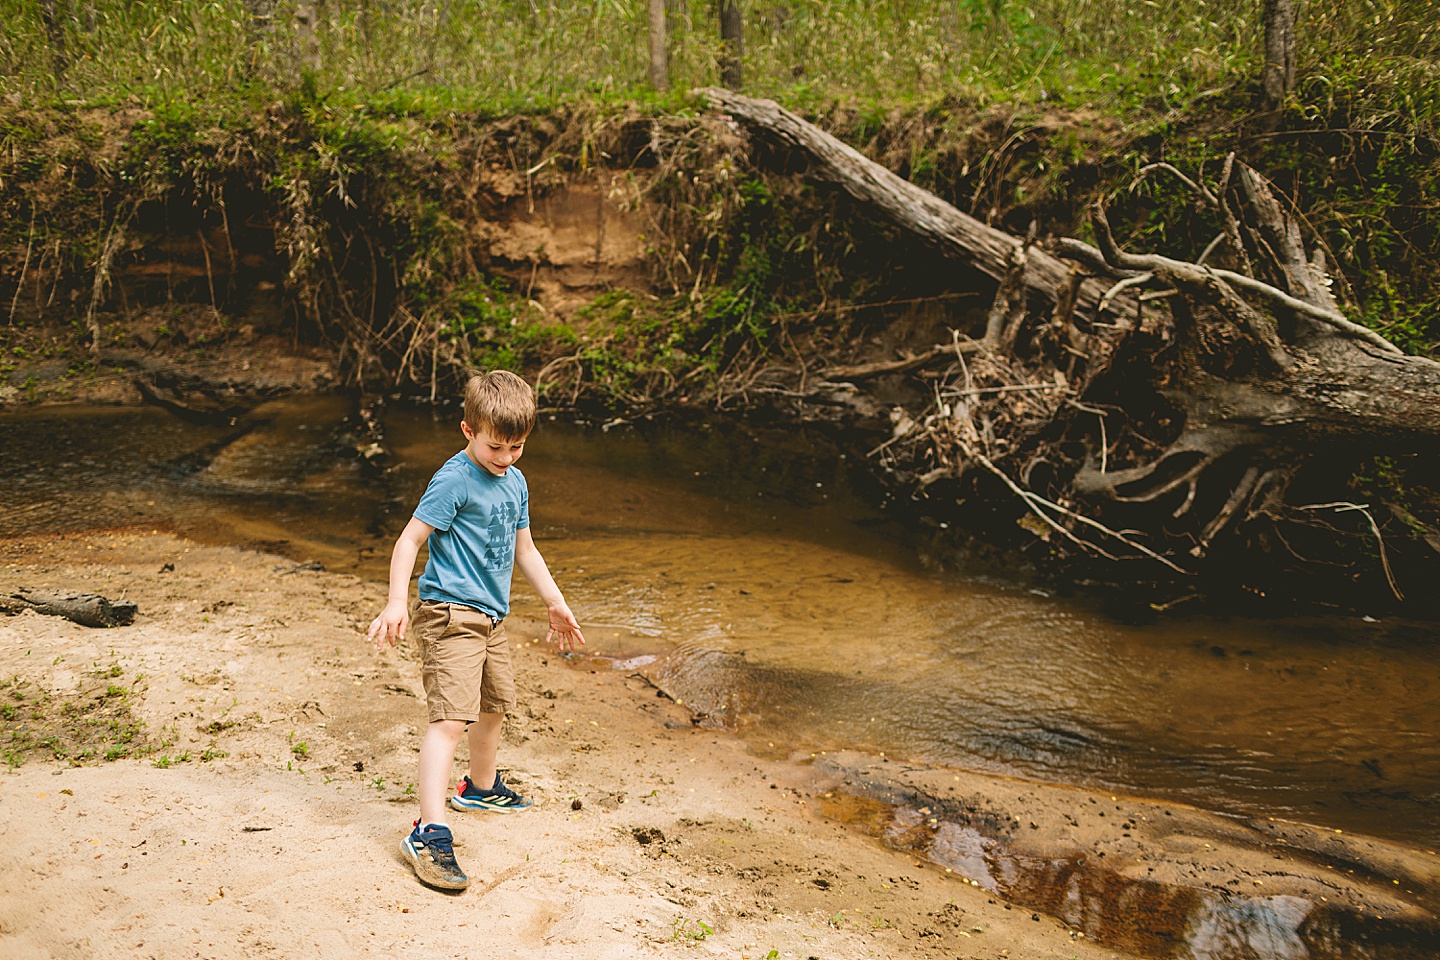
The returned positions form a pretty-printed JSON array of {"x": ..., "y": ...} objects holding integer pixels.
[{"x": 500, "y": 402}]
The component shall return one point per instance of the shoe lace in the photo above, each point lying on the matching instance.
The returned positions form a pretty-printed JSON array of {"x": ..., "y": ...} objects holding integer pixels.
[{"x": 441, "y": 848}]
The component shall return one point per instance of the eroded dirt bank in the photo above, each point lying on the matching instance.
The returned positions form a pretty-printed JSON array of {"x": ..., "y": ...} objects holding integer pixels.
[{"x": 650, "y": 835}]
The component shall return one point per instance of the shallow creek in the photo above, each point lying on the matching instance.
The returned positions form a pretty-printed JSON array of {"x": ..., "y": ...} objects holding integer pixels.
[{"x": 756, "y": 584}]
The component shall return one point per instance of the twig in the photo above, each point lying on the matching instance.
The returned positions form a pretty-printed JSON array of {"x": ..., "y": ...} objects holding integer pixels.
[
  {"x": 1196, "y": 187},
  {"x": 862, "y": 371},
  {"x": 113, "y": 238},
  {"x": 851, "y": 307},
  {"x": 409, "y": 76},
  {"x": 210, "y": 273},
  {"x": 1104, "y": 443},
  {"x": 1034, "y": 501},
  {"x": 1363, "y": 508},
  {"x": 1008, "y": 388},
  {"x": 1121, "y": 285},
  {"x": 1209, "y": 249},
  {"x": 29, "y": 244}
]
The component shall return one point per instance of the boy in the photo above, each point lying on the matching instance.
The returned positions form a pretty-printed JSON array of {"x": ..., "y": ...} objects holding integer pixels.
[{"x": 475, "y": 516}]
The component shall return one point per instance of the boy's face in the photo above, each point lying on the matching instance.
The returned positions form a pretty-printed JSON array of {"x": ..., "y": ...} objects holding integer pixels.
[{"x": 490, "y": 453}]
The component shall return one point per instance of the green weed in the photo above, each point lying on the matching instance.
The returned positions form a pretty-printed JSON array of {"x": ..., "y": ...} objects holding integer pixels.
[
  {"x": 89, "y": 723},
  {"x": 166, "y": 761},
  {"x": 691, "y": 930}
]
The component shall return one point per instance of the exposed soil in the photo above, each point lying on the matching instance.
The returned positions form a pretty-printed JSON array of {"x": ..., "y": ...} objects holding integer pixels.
[
  {"x": 176, "y": 348},
  {"x": 261, "y": 815}
]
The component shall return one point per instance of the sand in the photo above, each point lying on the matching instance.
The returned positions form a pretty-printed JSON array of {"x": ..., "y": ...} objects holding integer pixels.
[{"x": 264, "y": 815}]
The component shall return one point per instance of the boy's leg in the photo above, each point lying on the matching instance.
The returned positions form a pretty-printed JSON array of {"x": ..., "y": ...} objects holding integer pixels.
[
  {"x": 430, "y": 845},
  {"x": 484, "y": 745},
  {"x": 481, "y": 789},
  {"x": 437, "y": 761}
]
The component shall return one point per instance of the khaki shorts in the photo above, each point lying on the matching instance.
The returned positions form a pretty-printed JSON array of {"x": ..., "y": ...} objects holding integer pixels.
[{"x": 464, "y": 661}]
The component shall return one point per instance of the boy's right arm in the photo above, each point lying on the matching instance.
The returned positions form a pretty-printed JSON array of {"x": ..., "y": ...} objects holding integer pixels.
[{"x": 395, "y": 618}]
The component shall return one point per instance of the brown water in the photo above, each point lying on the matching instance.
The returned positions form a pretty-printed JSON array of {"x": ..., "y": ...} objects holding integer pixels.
[{"x": 779, "y": 601}]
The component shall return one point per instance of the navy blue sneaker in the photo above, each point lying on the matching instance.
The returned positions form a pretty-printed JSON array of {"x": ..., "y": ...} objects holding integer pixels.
[
  {"x": 432, "y": 854},
  {"x": 499, "y": 798}
]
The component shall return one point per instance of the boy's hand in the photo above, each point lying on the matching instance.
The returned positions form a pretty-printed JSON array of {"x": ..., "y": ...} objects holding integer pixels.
[
  {"x": 564, "y": 628},
  {"x": 390, "y": 625}
]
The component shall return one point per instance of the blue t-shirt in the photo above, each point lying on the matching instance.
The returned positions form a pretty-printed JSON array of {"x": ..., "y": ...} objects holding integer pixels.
[{"x": 472, "y": 551}]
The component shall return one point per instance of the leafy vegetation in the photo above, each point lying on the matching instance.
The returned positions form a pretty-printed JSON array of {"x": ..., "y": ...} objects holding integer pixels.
[
  {"x": 369, "y": 138},
  {"x": 94, "y": 723}
]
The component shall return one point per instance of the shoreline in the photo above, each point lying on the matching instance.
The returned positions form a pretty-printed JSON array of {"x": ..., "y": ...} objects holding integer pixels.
[{"x": 264, "y": 817}]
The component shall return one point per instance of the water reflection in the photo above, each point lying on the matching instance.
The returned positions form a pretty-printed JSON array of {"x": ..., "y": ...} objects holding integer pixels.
[{"x": 782, "y": 603}]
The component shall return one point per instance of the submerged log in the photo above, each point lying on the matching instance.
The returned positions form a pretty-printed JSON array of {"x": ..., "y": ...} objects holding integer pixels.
[{"x": 86, "y": 609}]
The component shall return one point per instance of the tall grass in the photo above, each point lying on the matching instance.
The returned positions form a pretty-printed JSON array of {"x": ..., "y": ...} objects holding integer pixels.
[{"x": 504, "y": 54}]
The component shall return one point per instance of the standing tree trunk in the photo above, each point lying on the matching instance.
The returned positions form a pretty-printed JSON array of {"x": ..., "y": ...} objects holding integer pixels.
[
  {"x": 309, "y": 46},
  {"x": 732, "y": 44},
  {"x": 659, "y": 53},
  {"x": 1279, "y": 75},
  {"x": 261, "y": 26},
  {"x": 54, "y": 19}
]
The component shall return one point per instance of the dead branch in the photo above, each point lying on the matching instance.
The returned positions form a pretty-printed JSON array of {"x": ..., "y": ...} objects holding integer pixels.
[
  {"x": 918, "y": 211},
  {"x": 1035, "y": 502},
  {"x": 865, "y": 371},
  {"x": 1364, "y": 509},
  {"x": 1183, "y": 274}
]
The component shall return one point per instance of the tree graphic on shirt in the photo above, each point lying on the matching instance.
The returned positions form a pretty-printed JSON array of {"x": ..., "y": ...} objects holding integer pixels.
[{"x": 500, "y": 542}]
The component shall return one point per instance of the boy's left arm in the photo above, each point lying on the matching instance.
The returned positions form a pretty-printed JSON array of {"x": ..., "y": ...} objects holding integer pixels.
[{"x": 564, "y": 628}]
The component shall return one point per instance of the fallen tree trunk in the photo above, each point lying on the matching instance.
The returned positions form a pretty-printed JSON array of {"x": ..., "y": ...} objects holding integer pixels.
[
  {"x": 909, "y": 207},
  {"x": 1193, "y": 422}
]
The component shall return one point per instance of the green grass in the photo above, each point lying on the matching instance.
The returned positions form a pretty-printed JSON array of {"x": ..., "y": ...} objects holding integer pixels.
[
  {"x": 420, "y": 57},
  {"x": 372, "y": 124}
]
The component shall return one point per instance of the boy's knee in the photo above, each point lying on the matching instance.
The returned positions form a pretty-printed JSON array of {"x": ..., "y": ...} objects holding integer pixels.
[{"x": 453, "y": 729}]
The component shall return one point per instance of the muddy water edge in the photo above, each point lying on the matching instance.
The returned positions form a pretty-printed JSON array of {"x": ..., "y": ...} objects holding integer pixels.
[{"x": 763, "y": 583}]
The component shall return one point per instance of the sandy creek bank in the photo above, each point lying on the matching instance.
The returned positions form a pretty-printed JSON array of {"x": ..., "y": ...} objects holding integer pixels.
[{"x": 685, "y": 841}]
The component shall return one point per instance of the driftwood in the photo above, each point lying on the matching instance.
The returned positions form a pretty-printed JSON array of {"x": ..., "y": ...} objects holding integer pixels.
[
  {"x": 86, "y": 609},
  {"x": 1157, "y": 404}
]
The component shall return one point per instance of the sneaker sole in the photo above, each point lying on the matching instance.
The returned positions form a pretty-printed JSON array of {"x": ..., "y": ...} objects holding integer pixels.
[
  {"x": 460, "y": 803},
  {"x": 424, "y": 871}
]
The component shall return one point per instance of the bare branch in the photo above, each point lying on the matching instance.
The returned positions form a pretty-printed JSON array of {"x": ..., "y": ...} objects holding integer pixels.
[
  {"x": 864, "y": 371},
  {"x": 1195, "y": 187},
  {"x": 1135, "y": 281},
  {"x": 1182, "y": 274},
  {"x": 1363, "y": 508},
  {"x": 1034, "y": 501},
  {"x": 1337, "y": 320},
  {"x": 1209, "y": 249},
  {"x": 1068, "y": 248}
]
